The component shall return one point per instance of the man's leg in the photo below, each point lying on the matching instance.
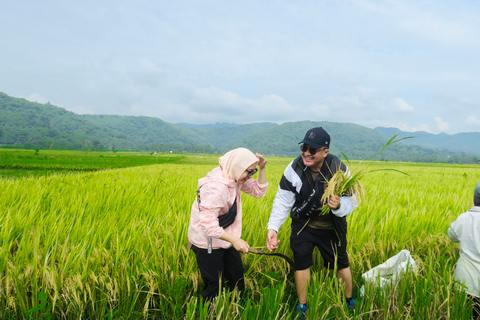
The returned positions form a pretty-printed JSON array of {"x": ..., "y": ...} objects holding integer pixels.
[
  {"x": 346, "y": 276},
  {"x": 302, "y": 246},
  {"x": 302, "y": 277}
]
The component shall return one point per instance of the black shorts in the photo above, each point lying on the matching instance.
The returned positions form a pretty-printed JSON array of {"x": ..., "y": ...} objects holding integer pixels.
[{"x": 331, "y": 249}]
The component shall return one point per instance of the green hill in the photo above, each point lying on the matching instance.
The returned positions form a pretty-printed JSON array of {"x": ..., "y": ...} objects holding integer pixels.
[
  {"x": 145, "y": 132},
  {"x": 228, "y": 136},
  {"x": 461, "y": 142},
  {"x": 351, "y": 140},
  {"x": 30, "y": 124},
  {"x": 153, "y": 132},
  {"x": 25, "y": 124},
  {"x": 33, "y": 124},
  {"x": 283, "y": 139}
]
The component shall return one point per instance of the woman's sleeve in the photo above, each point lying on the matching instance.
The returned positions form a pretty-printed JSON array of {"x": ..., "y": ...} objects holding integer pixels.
[{"x": 253, "y": 188}]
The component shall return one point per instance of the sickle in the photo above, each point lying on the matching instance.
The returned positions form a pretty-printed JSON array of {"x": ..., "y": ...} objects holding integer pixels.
[{"x": 290, "y": 261}]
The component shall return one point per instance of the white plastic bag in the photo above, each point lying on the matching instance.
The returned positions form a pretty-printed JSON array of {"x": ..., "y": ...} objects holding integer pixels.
[{"x": 390, "y": 271}]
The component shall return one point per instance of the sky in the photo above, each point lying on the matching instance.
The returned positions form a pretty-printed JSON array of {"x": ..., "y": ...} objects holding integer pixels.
[{"x": 413, "y": 65}]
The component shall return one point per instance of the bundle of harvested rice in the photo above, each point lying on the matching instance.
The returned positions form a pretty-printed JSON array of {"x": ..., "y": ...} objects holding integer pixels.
[
  {"x": 343, "y": 183},
  {"x": 349, "y": 182}
]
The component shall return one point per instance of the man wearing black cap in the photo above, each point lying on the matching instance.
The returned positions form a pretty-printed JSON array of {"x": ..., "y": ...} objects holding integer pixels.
[
  {"x": 466, "y": 231},
  {"x": 299, "y": 192}
]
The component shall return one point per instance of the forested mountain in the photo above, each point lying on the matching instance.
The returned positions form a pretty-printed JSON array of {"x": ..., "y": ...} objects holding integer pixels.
[
  {"x": 228, "y": 136},
  {"x": 25, "y": 124},
  {"x": 145, "y": 132},
  {"x": 463, "y": 142},
  {"x": 283, "y": 139},
  {"x": 154, "y": 134},
  {"x": 28, "y": 123},
  {"x": 351, "y": 140}
]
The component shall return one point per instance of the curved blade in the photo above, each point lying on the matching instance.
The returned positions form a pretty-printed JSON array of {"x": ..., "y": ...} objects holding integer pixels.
[{"x": 290, "y": 261}]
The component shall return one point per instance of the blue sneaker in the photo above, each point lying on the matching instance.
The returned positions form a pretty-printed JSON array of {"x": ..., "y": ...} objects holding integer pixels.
[
  {"x": 351, "y": 305},
  {"x": 301, "y": 311}
]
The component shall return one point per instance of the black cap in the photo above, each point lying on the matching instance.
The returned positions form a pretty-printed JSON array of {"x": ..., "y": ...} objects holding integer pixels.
[{"x": 317, "y": 138}]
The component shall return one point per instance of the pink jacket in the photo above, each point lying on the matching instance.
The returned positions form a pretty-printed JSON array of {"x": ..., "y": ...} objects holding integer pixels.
[{"x": 217, "y": 195}]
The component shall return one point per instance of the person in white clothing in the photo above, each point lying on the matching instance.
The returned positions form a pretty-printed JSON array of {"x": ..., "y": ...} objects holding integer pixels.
[{"x": 466, "y": 231}]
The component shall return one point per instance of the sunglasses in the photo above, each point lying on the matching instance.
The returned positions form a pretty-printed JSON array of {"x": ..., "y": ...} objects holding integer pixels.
[
  {"x": 306, "y": 147},
  {"x": 251, "y": 172}
]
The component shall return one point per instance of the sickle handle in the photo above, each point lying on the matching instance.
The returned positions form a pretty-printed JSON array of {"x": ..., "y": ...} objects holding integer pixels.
[{"x": 255, "y": 251}]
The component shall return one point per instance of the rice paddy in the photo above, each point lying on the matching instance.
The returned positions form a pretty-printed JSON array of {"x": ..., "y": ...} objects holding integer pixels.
[{"x": 112, "y": 244}]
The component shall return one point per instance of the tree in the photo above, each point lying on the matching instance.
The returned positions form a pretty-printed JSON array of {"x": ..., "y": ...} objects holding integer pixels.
[{"x": 96, "y": 144}]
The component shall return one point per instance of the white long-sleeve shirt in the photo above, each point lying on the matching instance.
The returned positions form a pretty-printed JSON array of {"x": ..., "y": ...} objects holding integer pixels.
[
  {"x": 466, "y": 231},
  {"x": 285, "y": 199}
]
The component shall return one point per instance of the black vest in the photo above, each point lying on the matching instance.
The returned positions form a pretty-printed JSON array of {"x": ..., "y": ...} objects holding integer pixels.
[{"x": 307, "y": 201}]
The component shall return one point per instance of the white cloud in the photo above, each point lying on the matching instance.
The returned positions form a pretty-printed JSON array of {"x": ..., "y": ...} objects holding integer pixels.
[
  {"x": 367, "y": 93},
  {"x": 147, "y": 73},
  {"x": 35, "y": 97},
  {"x": 353, "y": 102},
  {"x": 422, "y": 127},
  {"x": 442, "y": 125},
  {"x": 213, "y": 104},
  {"x": 79, "y": 109},
  {"x": 316, "y": 112},
  {"x": 402, "y": 106},
  {"x": 216, "y": 98},
  {"x": 472, "y": 120},
  {"x": 210, "y": 62},
  {"x": 436, "y": 27},
  {"x": 444, "y": 22}
]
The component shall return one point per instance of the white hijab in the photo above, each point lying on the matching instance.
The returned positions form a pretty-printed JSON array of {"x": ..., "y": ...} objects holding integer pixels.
[{"x": 235, "y": 162}]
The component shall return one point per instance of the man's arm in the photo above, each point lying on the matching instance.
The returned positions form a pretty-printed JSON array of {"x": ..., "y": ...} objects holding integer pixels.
[
  {"x": 452, "y": 233},
  {"x": 347, "y": 205},
  {"x": 282, "y": 204}
]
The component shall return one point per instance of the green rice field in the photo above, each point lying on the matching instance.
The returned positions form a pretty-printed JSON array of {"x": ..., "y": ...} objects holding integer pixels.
[{"x": 98, "y": 235}]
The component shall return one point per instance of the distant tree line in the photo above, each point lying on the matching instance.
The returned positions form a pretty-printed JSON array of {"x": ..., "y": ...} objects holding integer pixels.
[{"x": 98, "y": 146}]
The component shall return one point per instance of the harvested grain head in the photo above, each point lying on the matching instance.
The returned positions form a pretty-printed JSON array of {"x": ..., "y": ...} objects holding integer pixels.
[{"x": 343, "y": 183}]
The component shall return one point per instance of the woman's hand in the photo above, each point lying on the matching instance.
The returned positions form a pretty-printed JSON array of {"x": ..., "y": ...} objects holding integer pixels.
[
  {"x": 261, "y": 161},
  {"x": 241, "y": 245},
  {"x": 262, "y": 174}
]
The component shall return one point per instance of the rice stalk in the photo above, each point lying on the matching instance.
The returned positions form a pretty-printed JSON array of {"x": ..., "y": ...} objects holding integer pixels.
[{"x": 349, "y": 182}]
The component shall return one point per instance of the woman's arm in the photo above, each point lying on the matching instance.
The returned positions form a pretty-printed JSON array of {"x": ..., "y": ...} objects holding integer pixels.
[
  {"x": 262, "y": 174},
  {"x": 238, "y": 244}
]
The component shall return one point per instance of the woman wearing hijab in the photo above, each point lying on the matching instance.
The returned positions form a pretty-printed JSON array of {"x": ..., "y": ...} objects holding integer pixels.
[{"x": 215, "y": 228}]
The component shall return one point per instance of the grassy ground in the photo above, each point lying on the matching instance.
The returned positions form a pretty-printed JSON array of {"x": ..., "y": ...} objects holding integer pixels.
[
  {"x": 112, "y": 242},
  {"x": 24, "y": 163}
]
